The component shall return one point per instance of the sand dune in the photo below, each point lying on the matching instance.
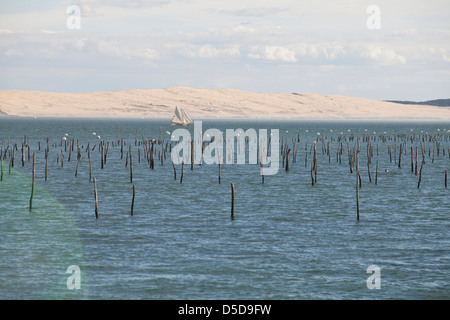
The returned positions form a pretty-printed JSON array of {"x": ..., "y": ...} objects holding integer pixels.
[{"x": 205, "y": 103}]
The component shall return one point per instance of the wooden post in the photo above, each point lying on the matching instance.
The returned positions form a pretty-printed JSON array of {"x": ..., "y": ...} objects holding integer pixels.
[
  {"x": 417, "y": 156},
  {"x": 445, "y": 182},
  {"x": 315, "y": 162},
  {"x": 390, "y": 154},
  {"x": 121, "y": 148},
  {"x": 23, "y": 154},
  {"x": 131, "y": 167},
  {"x": 376, "y": 174},
  {"x": 420, "y": 176},
  {"x": 90, "y": 165},
  {"x": 101, "y": 153},
  {"x": 358, "y": 175},
  {"x": 174, "y": 171},
  {"x": 232, "y": 201},
  {"x": 46, "y": 163},
  {"x": 132, "y": 201},
  {"x": 395, "y": 154},
  {"x": 434, "y": 147},
  {"x": 357, "y": 195},
  {"x": 192, "y": 154},
  {"x": 106, "y": 152},
  {"x": 312, "y": 173},
  {"x": 78, "y": 160},
  {"x": 287, "y": 159},
  {"x": 13, "y": 157},
  {"x": 1, "y": 164},
  {"x": 306, "y": 158},
  {"x": 152, "y": 155},
  {"x": 96, "y": 199},
  {"x": 182, "y": 172},
  {"x": 350, "y": 160},
  {"x": 33, "y": 178},
  {"x": 70, "y": 152}
]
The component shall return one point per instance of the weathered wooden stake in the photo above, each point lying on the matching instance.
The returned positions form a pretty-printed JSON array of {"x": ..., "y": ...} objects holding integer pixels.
[
  {"x": 182, "y": 172},
  {"x": 445, "y": 179},
  {"x": 357, "y": 196},
  {"x": 132, "y": 201},
  {"x": 376, "y": 174},
  {"x": 287, "y": 159},
  {"x": 96, "y": 199},
  {"x": 46, "y": 163},
  {"x": 23, "y": 154},
  {"x": 420, "y": 176},
  {"x": 232, "y": 201},
  {"x": 131, "y": 167},
  {"x": 90, "y": 165},
  {"x": 78, "y": 160},
  {"x": 192, "y": 154},
  {"x": 121, "y": 148},
  {"x": 417, "y": 156},
  {"x": 174, "y": 171},
  {"x": 33, "y": 178},
  {"x": 315, "y": 162},
  {"x": 101, "y": 154}
]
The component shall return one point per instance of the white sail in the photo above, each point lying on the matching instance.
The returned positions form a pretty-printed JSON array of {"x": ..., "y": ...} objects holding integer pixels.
[
  {"x": 187, "y": 119},
  {"x": 180, "y": 118},
  {"x": 177, "y": 117}
]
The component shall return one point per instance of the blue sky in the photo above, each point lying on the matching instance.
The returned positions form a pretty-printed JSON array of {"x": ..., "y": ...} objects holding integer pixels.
[{"x": 319, "y": 46}]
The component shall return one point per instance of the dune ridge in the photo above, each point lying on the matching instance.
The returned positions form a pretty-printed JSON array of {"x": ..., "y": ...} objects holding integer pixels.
[{"x": 209, "y": 104}]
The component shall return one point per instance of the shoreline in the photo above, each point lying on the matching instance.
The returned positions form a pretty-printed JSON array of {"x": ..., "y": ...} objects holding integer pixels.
[
  {"x": 210, "y": 104},
  {"x": 238, "y": 120}
]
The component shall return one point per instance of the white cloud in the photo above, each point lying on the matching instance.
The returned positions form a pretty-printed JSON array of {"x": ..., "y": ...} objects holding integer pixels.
[
  {"x": 124, "y": 3},
  {"x": 327, "y": 50},
  {"x": 329, "y": 39},
  {"x": 279, "y": 53},
  {"x": 125, "y": 51},
  {"x": 382, "y": 55},
  {"x": 254, "y": 12},
  {"x": 274, "y": 53},
  {"x": 208, "y": 51}
]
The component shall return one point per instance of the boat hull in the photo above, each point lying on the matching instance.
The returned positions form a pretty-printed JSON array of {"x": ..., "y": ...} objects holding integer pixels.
[{"x": 180, "y": 125}]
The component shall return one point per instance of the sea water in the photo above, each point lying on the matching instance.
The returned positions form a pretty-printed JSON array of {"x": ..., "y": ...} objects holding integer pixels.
[{"x": 288, "y": 239}]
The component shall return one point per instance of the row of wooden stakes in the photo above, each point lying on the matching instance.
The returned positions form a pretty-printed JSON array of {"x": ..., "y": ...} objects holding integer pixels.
[{"x": 150, "y": 151}]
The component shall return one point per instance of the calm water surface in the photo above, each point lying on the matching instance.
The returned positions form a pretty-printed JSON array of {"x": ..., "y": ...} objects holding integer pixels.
[{"x": 289, "y": 239}]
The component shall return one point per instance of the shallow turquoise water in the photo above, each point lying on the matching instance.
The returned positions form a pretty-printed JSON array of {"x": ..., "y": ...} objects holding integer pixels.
[{"x": 289, "y": 239}]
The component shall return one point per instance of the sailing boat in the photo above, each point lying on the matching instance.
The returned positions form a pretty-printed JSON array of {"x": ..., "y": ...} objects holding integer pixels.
[{"x": 180, "y": 118}]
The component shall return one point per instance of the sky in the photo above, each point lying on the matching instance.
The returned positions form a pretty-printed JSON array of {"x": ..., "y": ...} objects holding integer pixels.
[{"x": 377, "y": 49}]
